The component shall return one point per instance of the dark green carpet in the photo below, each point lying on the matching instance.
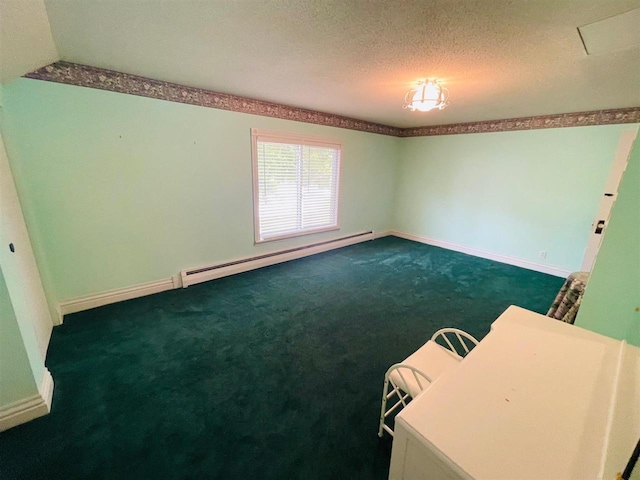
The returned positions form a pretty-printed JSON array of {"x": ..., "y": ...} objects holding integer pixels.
[{"x": 272, "y": 374}]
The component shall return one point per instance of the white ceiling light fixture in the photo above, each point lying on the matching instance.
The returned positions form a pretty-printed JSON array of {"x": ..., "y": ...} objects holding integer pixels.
[{"x": 427, "y": 96}]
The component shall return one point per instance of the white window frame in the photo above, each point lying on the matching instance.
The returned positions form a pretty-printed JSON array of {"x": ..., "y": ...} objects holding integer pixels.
[{"x": 282, "y": 137}]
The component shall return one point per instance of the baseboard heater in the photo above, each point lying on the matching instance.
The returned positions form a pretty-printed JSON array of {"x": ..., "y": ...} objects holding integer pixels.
[{"x": 211, "y": 272}]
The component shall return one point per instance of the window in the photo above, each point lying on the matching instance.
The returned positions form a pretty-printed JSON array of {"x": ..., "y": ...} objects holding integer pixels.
[{"x": 295, "y": 184}]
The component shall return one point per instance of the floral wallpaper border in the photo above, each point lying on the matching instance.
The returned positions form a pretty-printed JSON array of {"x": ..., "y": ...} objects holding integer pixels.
[
  {"x": 578, "y": 119},
  {"x": 93, "y": 77}
]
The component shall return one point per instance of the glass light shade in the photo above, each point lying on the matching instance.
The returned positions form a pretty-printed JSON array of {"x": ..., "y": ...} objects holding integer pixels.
[{"x": 427, "y": 96}]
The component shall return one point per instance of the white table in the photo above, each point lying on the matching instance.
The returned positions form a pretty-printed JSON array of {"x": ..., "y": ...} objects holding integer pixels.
[{"x": 536, "y": 399}]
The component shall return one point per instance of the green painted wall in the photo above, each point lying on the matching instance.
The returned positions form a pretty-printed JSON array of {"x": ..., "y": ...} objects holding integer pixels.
[
  {"x": 613, "y": 292},
  {"x": 510, "y": 193},
  {"x": 119, "y": 190},
  {"x": 16, "y": 378}
]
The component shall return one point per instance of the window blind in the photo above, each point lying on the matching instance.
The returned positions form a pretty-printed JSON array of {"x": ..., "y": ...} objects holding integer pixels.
[{"x": 297, "y": 187}]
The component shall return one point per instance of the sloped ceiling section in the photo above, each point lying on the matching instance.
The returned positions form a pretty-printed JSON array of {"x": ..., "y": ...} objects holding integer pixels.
[
  {"x": 26, "y": 42},
  {"x": 499, "y": 58}
]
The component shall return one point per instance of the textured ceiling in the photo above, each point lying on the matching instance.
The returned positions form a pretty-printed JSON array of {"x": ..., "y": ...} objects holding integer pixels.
[{"x": 499, "y": 58}]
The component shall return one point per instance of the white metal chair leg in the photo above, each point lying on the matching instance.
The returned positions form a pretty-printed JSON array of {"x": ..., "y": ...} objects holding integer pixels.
[{"x": 385, "y": 390}]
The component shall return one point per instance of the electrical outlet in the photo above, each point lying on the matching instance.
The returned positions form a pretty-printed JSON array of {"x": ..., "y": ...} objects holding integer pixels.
[{"x": 543, "y": 254}]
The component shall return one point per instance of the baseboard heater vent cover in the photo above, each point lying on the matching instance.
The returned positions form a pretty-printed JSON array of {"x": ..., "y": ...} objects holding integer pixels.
[{"x": 211, "y": 272}]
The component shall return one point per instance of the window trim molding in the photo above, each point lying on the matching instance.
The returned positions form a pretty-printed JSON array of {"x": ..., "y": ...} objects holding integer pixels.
[{"x": 294, "y": 138}]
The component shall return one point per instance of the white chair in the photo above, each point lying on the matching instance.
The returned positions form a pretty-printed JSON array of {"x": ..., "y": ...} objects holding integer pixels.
[{"x": 419, "y": 370}]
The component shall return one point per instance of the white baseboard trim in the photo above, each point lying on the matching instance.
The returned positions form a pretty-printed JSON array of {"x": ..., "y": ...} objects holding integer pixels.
[
  {"x": 29, "y": 408},
  {"x": 57, "y": 318},
  {"x": 476, "y": 252},
  {"x": 113, "y": 296},
  {"x": 384, "y": 233}
]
